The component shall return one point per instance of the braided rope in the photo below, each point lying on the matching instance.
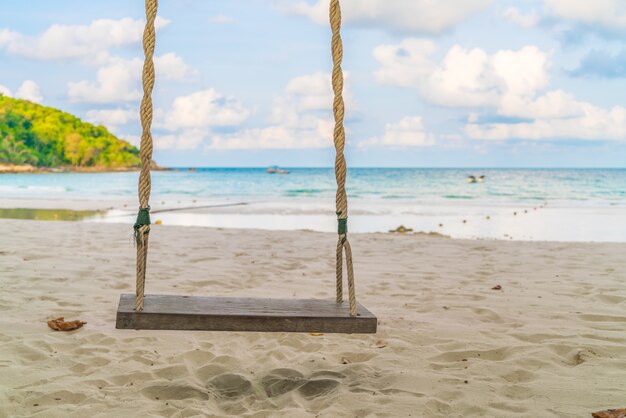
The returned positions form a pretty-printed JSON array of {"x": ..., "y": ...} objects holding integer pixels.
[
  {"x": 142, "y": 231},
  {"x": 340, "y": 161}
]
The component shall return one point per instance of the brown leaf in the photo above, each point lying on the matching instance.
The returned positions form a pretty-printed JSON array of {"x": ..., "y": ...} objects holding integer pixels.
[
  {"x": 59, "y": 324},
  {"x": 345, "y": 360},
  {"x": 380, "y": 344},
  {"x": 498, "y": 287},
  {"x": 610, "y": 413}
]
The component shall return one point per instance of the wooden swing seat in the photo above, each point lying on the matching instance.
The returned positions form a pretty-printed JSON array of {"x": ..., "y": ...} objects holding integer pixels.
[
  {"x": 167, "y": 312},
  {"x": 195, "y": 313}
]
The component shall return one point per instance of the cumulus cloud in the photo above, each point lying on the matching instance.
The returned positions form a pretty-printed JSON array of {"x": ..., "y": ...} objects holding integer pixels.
[
  {"x": 397, "y": 15},
  {"x": 465, "y": 77},
  {"x": 204, "y": 109},
  {"x": 301, "y": 118},
  {"x": 571, "y": 120},
  {"x": 408, "y": 132},
  {"x": 515, "y": 16},
  {"x": 5, "y": 91},
  {"x": 171, "y": 67},
  {"x": 192, "y": 118},
  {"x": 607, "y": 14},
  {"x": 186, "y": 140},
  {"x": 75, "y": 41},
  {"x": 508, "y": 86},
  {"x": 29, "y": 90},
  {"x": 116, "y": 82},
  {"x": 112, "y": 118},
  {"x": 118, "y": 79}
]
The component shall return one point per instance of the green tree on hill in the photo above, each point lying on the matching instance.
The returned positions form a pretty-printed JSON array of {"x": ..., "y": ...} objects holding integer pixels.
[{"x": 47, "y": 137}]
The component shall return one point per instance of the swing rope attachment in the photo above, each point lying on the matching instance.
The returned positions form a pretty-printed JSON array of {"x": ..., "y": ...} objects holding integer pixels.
[
  {"x": 343, "y": 245},
  {"x": 142, "y": 226}
]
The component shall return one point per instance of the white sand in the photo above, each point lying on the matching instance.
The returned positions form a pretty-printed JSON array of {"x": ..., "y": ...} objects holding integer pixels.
[{"x": 551, "y": 343}]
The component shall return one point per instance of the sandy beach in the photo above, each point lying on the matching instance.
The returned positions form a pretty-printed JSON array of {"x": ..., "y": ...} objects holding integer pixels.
[{"x": 551, "y": 342}]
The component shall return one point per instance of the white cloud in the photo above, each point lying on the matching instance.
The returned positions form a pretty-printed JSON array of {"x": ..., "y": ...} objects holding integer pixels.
[
  {"x": 222, "y": 20},
  {"x": 397, "y": 15},
  {"x": 204, "y": 109},
  {"x": 515, "y": 16},
  {"x": 312, "y": 91},
  {"x": 186, "y": 140},
  {"x": 191, "y": 118},
  {"x": 29, "y": 90},
  {"x": 317, "y": 134},
  {"x": 171, "y": 67},
  {"x": 555, "y": 115},
  {"x": 300, "y": 119},
  {"x": 508, "y": 86},
  {"x": 465, "y": 77},
  {"x": 408, "y": 132},
  {"x": 118, "y": 79},
  {"x": 76, "y": 41},
  {"x": 112, "y": 118},
  {"x": 315, "y": 91},
  {"x": 5, "y": 91},
  {"x": 609, "y": 14}
]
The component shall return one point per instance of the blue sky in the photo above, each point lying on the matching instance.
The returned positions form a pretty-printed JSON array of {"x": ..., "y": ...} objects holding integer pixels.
[{"x": 500, "y": 83}]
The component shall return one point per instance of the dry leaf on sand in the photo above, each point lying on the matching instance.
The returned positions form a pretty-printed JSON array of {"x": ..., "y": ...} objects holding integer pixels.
[
  {"x": 59, "y": 324},
  {"x": 610, "y": 413},
  {"x": 498, "y": 287},
  {"x": 345, "y": 360}
]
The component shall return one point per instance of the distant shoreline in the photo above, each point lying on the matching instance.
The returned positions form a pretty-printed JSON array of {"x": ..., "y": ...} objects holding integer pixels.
[{"x": 30, "y": 169}]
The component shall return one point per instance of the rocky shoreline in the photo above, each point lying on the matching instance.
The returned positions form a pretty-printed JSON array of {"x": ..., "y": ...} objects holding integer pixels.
[{"x": 30, "y": 169}]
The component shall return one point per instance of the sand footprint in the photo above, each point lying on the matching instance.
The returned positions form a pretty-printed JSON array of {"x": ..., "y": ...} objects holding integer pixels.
[
  {"x": 519, "y": 376},
  {"x": 487, "y": 315},
  {"x": 318, "y": 387},
  {"x": 171, "y": 372},
  {"x": 281, "y": 381},
  {"x": 231, "y": 385},
  {"x": 174, "y": 391}
]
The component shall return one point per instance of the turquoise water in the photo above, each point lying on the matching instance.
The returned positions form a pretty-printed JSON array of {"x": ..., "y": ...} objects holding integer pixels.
[
  {"x": 532, "y": 204},
  {"x": 601, "y": 187}
]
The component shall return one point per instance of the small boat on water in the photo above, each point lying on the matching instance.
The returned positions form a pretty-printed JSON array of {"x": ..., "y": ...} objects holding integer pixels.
[{"x": 276, "y": 170}]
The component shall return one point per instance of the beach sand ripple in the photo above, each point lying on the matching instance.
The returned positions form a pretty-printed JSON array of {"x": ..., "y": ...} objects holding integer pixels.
[{"x": 550, "y": 342}]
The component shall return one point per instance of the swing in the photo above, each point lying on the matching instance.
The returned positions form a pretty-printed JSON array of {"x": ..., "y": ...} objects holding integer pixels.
[{"x": 170, "y": 312}]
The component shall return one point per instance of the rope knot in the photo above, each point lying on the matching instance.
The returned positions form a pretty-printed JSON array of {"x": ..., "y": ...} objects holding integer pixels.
[
  {"x": 343, "y": 226},
  {"x": 143, "y": 219}
]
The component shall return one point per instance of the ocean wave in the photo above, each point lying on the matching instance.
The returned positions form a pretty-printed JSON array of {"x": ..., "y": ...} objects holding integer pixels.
[
  {"x": 295, "y": 192},
  {"x": 456, "y": 196},
  {"x": 31, "y": 188}
]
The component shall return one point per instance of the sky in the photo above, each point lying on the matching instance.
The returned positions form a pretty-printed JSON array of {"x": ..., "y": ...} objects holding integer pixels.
[{"x": 447, "y": 83}]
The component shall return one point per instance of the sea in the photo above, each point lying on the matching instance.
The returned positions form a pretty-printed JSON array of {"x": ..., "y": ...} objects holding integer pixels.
[{"x": 511, "y": 204}]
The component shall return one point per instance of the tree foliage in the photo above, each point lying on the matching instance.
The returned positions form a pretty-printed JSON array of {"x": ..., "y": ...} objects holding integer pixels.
[{"x": 47, "y": 137}]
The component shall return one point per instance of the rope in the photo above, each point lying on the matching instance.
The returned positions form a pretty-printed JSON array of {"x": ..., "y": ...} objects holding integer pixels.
[
  {"x": 142, "y": 226},
  {"x": 340, "y": 162}
]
